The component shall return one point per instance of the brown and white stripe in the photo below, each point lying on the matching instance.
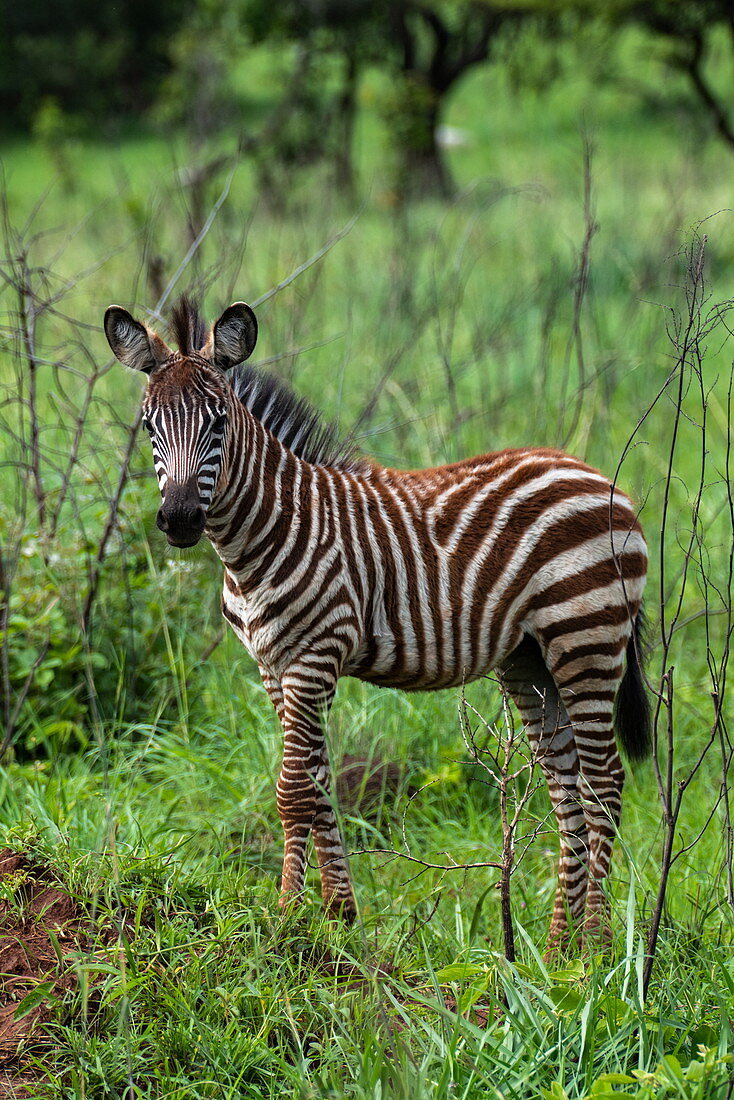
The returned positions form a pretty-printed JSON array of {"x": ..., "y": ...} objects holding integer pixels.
[{"x": 527, "y": 561}]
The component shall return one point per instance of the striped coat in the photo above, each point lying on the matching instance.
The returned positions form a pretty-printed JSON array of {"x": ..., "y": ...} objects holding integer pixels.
[{"x": 524, "y": 561}]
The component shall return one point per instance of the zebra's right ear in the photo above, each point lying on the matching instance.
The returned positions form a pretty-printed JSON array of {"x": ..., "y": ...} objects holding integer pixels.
[
  {"x": 233, "y": 337},
  {"x": 132, "y": 343}
]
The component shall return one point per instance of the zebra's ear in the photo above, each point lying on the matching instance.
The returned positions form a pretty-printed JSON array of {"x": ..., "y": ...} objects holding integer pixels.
[
  {"x": 132, "y": 343},
  {"x": 233, "y": 336}
]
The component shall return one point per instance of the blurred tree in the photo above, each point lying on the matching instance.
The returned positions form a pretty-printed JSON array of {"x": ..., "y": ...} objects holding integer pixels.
[
  {"x": 691, "y": 29},
  {"x": 315, "y": 118},
  {"x": 426, "y": 46},
  {"x": 195, "y": 94},
  {"x": 93, "y": 59},
  {"x": 435, "y": 43}
]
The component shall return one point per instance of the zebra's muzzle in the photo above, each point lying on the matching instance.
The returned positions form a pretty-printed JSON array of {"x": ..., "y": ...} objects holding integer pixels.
[{"x": 181, "y": 516}]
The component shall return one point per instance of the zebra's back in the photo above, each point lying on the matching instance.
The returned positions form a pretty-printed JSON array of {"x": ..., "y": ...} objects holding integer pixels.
[{"x": 464, "y": 560}]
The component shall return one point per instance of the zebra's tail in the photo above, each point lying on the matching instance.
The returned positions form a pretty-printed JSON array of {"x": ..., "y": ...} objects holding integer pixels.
[{"x": 632, "y": 707}]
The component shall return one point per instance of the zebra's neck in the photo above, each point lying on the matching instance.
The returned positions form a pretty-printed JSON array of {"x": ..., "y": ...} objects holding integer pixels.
[{"x": 263, "y": 491}]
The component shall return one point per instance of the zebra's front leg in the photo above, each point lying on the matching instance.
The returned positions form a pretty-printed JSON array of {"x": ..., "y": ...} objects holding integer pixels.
[{"x": 303, "y": 797}]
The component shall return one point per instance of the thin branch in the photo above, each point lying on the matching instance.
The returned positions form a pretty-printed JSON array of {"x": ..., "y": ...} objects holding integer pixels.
[{"x": 307, "y": 264}]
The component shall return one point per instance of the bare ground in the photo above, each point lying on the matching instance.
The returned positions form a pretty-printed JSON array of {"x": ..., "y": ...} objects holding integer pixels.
[{"x": 41, "y": 927}]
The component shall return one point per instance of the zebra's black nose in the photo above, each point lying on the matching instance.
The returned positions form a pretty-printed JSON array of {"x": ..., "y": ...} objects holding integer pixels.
[{"x": 181, "y": 520}]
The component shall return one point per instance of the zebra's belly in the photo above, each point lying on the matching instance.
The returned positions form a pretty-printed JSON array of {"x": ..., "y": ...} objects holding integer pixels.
[
  {"x": 416, "y": 682},
  {"x": 387, "y": 662}
]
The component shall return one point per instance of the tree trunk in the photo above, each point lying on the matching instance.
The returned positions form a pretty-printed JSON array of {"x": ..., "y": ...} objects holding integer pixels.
[
  {"x": 346, "y": 110},
  {"x": 436, "y": 52},
  {"x": 421, "y": 171},
  {"x": 426, "y": 170}
]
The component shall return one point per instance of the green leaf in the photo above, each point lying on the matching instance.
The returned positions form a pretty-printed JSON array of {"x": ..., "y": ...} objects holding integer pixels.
[
  {"x": 36, "y": 997},
  {"x": 555, "y": 1092},
  {"x": 459, "y": 972},
  {"x": 524, "y": 971},
  {"x": 609, "y": 1094},
  {"x": 616, "y": 1012},
  {"x": 671, "y": 1067},
  {"x": 705, "y": 1036},
  {"x": 572, "y": 973},
  {"x": 473, "y": 992},
  {"x": 696, "y": 1071},
  {"x": 477, "y": 914},
  {"x": 566, "y": 1001},
  {"x": 725, "y": 973},
  {"x": 612, "y": 1079}
]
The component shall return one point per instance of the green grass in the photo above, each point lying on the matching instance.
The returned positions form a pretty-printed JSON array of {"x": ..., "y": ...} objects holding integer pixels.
[{"x": 157, "y": 811}]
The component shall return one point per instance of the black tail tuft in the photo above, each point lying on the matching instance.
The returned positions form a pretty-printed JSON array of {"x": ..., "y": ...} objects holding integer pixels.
[{"x": 632, "y": 707}]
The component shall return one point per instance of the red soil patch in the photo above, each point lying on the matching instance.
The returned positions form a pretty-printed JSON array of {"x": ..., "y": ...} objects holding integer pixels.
[{"x": 37, "y": 913}]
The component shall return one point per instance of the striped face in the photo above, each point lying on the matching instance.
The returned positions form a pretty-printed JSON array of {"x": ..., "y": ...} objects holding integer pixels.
[
  {"x": 185, "y": 407},
  {"x": 187, "y": 425}
]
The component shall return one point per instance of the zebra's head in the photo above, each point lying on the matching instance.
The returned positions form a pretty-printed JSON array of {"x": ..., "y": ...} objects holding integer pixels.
[{"x": 187, "y": 403}]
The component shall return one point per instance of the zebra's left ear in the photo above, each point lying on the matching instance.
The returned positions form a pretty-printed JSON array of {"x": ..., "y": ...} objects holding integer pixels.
[{"x": 233, "y": 336}]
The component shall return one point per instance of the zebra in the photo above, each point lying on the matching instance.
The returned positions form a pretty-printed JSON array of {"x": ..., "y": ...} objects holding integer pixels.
[{"x": 527, "y": 562}]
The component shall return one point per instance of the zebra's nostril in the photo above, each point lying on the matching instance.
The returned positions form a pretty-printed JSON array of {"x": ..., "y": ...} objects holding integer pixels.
[
  {"x": 199, "y": 517},
  {"x": 161, "y": 521}
]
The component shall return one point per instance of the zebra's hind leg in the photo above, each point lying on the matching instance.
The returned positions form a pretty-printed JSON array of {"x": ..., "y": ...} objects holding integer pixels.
[
  {"x": 531, "y": 686},
  {"x": 304, "y": 804},
  {"x": 588, "y": 688}
]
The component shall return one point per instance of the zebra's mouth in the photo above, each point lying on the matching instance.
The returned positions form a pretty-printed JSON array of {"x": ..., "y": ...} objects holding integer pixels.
[{"x": 183, "y": 543}]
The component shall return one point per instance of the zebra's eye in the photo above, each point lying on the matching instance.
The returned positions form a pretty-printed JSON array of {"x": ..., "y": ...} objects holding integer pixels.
[
  {"x": 147, "y": 424},
  {"x": 218, "y": 422}
]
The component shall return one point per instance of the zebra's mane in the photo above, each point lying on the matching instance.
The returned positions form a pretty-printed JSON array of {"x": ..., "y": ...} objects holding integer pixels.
[
  {"x": 293, "y": 420},
  {"x": 187, "y": 326},
  {"x": 290, "y": 418}
]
